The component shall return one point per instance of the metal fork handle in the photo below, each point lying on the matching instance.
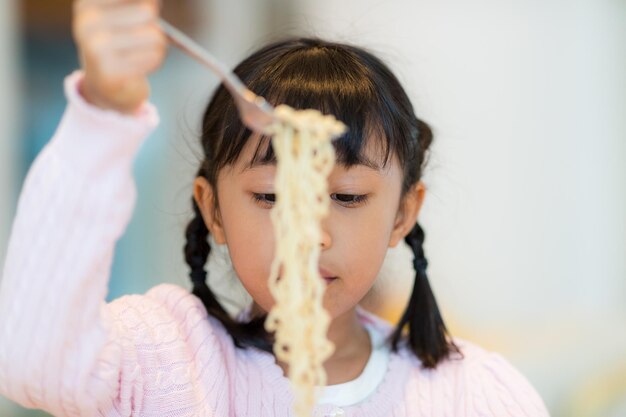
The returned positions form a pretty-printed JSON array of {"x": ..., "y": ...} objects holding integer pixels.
[
  {"x": 182, "y": 41},
  {"x": 255, "y": 112}
]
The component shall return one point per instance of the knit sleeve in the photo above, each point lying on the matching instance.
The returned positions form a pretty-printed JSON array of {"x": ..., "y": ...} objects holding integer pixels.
[
  {"x": 500, "y": 390},
  {"x": 173, "y": 359},
  {"x": 76, "y": 201}
]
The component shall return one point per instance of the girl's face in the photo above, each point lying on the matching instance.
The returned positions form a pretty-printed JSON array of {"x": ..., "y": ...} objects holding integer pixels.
[{"x": 366, "y": 217}]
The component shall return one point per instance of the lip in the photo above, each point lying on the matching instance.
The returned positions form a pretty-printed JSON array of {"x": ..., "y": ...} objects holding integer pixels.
[{"x": 326, "y": 274}]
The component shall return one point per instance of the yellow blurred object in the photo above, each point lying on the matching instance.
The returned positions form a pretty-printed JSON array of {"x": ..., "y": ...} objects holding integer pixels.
[{"x": 600, "y": 396}]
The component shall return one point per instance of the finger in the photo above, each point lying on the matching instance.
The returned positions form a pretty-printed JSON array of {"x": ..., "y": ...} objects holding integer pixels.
[
  {"x": 147, "y": 37},
  {"x": 146, "y": 62},
  {"x": 124, "y": 17},
  {"x": 133, "y": 15},
  {"x": 135, "y": 63},
  {"x": 136, "y": 66},
  {"x": 103, "y": 44},
  {"x": 82, "y": 4}
]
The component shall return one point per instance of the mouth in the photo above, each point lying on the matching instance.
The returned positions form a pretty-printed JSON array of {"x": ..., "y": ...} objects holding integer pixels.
[{"x": 327, "y": 275}]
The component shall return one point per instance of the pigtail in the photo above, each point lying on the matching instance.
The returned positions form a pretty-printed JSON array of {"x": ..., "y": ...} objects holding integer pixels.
[
  {"x": 197, "y": 251},
  {"x": 427, "y": 333}
]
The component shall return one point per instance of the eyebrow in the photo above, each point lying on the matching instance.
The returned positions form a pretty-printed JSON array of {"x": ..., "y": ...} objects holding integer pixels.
[{"x": 272, "y": 162}]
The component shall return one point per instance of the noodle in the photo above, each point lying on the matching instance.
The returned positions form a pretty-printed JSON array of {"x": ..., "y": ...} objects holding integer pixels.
[{"x": 305, "y": 156}]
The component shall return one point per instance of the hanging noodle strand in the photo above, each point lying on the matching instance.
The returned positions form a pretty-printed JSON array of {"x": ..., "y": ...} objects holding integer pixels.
[{"x": 302, "y": 142}]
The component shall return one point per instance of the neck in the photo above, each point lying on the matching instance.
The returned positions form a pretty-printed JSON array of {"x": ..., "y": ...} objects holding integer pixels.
[
  {"x": 352, "y": 349},
  {"x": 348, "y": 336}
]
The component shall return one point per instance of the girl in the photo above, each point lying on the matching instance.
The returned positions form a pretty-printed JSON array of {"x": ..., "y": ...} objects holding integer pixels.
[{"x": 175, "y": 353}]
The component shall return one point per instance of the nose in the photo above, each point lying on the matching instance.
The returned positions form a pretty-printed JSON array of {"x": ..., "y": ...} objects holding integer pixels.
[{"x": 325, "y": 239}]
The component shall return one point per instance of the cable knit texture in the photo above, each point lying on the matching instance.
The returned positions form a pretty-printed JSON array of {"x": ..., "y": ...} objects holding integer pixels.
[{"x": 66, "y": 351}]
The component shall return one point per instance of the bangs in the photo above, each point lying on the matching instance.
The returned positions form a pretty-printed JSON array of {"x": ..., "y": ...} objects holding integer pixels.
[{"x": 321, "y": 78}]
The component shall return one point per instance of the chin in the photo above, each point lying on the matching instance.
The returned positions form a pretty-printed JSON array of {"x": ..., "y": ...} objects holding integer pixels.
[{"x": 337, "y": 308}]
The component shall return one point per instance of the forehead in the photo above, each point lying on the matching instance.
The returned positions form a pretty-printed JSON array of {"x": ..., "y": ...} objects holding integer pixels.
[{"x": 257, "y": 152}]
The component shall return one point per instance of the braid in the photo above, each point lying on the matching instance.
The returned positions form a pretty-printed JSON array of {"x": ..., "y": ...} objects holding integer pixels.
[
  {"x": 427, "y": 333},
  {"x": 197, "y": 251},
  {"x": 197, "y": 248}
]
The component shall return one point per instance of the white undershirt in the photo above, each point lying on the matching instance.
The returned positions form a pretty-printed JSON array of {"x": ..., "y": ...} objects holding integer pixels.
[{"x": 355, "y": 391}]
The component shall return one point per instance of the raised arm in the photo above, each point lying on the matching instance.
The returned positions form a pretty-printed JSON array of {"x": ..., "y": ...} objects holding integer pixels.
[
  {"x": 58, "y": 349},
  {"x": 76, "y": 202}
]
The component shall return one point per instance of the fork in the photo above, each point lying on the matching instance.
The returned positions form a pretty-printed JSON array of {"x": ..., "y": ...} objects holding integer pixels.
[{"x": 255, "y": 112}]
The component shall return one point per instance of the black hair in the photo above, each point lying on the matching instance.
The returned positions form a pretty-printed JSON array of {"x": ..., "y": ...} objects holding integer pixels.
[{"x": 360, "y": 90}]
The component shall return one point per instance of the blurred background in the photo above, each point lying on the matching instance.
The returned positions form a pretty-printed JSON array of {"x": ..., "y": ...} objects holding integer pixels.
[{"x": 525, "y": 215}]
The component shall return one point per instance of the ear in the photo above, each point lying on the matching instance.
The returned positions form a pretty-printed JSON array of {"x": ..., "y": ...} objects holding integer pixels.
[
  {"x": 407, "y": 213},
  {"x": 204, "y": 196}
]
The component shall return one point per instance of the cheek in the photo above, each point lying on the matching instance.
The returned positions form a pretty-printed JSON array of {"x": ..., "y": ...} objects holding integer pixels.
[
  {"x": 367, "y": 251},
  {"x": 362, "y": 237},
  {"x": 249, "y": 236}
]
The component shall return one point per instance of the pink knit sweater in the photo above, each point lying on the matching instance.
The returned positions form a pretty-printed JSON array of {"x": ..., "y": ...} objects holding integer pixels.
[{"x": 64, "y": 350}]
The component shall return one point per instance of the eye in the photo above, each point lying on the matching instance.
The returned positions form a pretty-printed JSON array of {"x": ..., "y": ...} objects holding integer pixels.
[
  {"x": 349, "y": 199},
  {"x": 265, "y": 199}
]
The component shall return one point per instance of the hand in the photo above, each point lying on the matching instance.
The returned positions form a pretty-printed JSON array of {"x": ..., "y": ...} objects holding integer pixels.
[{"x": 119, "y": 44}]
